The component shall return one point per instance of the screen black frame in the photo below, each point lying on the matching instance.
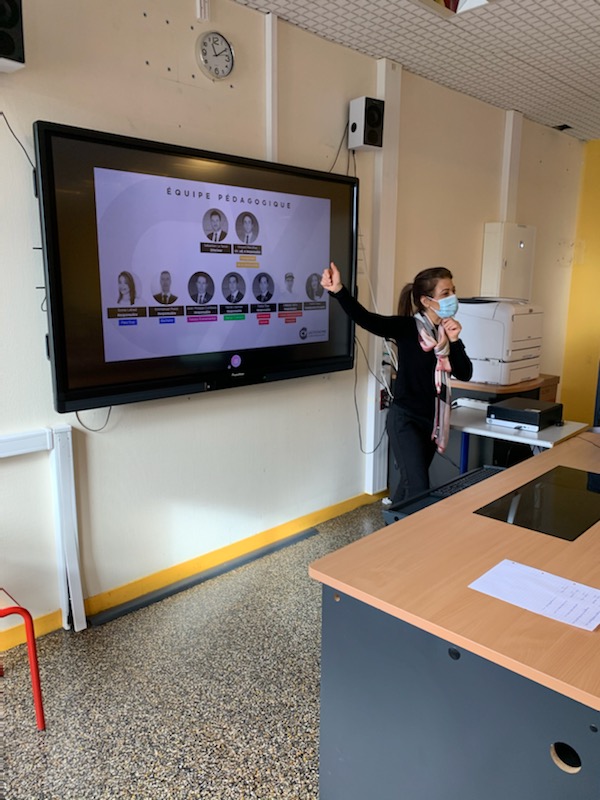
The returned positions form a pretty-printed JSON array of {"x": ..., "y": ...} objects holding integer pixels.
[{"x": 64, "y": 188}]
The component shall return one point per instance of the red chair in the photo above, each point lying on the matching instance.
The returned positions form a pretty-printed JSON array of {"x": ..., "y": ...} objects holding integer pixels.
[{"x": 32, "y": 653}]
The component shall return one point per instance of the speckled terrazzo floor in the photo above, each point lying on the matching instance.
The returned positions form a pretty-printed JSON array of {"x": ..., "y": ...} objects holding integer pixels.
[{"x": 211, "y": 693}]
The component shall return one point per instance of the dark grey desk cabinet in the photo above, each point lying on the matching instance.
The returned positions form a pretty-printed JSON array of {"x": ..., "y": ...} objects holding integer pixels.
[{"x": 408, "y": 716}]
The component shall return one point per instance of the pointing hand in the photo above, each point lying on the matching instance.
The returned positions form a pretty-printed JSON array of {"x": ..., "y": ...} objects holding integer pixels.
[{"x": 331, "y": 279}]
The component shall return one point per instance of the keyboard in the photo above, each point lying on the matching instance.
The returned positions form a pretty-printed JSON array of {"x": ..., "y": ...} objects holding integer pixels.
[
  {"x": 464, "y": 481},
  {"x": 416, "y": 503}
]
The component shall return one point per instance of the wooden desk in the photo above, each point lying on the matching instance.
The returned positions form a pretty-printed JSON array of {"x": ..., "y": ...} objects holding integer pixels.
[
  {"x": 430, "y": 689},
  {"x": 545, "y": 385}
]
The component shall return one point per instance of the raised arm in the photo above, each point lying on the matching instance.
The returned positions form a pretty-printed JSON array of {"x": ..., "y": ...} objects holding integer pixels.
[{"x": 388, "y": 327}]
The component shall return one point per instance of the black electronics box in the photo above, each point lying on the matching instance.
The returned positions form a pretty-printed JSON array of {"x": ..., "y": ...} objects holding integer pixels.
[{"x": 525, "y": 414}]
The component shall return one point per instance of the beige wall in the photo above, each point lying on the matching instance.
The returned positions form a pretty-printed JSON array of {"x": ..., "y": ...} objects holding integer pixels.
[
  {"x": 450, "y": 168},
  {"x": 549, "y": 185},
  {"x": 142, "y": 507}
]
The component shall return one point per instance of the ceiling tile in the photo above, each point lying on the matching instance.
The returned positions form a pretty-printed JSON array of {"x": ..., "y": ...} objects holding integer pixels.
[{"x": 540, "y": 57}]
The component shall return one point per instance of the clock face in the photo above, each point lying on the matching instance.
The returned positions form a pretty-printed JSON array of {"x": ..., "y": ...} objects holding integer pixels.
[{"x": 214, "y": 55}]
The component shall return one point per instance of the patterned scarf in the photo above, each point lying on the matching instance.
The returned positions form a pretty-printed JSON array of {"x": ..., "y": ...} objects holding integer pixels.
[{"x": 430, "y": 339}]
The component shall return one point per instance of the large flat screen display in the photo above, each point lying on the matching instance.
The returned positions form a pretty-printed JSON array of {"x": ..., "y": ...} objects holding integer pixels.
[{"x": 172, "y": 270}]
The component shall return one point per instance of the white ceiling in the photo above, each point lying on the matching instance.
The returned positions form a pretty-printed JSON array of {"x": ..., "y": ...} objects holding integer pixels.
[{"x": 539, "y": 57}]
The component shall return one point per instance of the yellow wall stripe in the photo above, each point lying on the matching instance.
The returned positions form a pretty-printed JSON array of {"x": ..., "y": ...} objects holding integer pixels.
[
  {"x": 159, "y": 580},
  {"x": 582, "y": 344},
  {"x": 42, "y": 625}
]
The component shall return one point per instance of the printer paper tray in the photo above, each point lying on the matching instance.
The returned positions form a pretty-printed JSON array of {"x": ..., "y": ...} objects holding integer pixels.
[{"x": 505, "y": 372}]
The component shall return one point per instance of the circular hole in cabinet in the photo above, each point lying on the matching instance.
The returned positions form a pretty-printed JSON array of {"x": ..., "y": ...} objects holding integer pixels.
[
  {"x": 336, "y": 597},
  {"x": 565, "y": 757},
  {"x": 454, "y": 653}
]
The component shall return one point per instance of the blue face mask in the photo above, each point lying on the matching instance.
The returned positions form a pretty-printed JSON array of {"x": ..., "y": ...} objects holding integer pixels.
[{"x": 448, "y": 306}]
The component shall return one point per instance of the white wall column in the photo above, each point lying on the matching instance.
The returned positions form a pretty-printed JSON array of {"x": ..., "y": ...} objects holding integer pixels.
[
  {"x": 384, "y": 227},
  {"x": 510, "y": 166},
  {"x": 271, "y": 66}
]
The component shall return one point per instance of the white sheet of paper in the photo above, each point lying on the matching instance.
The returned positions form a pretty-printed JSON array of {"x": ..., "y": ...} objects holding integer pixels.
[{"x": 543, "y": 593}]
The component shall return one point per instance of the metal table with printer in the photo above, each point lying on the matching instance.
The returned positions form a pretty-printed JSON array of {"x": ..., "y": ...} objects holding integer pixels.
[
  {"x": 503, "y": 338},
  {"x": 533, "y": 423}
]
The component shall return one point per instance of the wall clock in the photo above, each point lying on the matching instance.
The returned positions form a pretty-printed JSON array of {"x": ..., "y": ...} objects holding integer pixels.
[{"x": 214, "y": 55}]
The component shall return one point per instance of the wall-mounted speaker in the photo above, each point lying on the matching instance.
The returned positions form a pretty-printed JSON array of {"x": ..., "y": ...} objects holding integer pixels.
[
  {"x": 12, "y": 49},
  {"x": 365, "y": 124}
]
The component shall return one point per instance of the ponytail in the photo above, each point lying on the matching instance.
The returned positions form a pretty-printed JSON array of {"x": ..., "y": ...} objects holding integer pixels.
[{"x": 405, "y": 308}]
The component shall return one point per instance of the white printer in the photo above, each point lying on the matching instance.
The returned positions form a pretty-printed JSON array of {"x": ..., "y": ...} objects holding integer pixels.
[{"x": 503, "y": 338}]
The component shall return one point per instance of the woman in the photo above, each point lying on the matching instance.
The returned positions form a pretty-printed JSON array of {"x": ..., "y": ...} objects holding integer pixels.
[
  {"x": 429, "y": 349},
  {"x": 126, "y": 289},
  {"x": 315, "y": 290}
]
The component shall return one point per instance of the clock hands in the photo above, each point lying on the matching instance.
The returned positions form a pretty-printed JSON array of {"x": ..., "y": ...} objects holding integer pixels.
[
  {"x": 213, "y": 53},
  {"x": 220, "y": 53}
]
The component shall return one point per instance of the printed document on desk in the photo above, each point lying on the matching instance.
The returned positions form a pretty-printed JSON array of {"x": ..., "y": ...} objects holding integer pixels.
[{"x": 543, "y": 593}]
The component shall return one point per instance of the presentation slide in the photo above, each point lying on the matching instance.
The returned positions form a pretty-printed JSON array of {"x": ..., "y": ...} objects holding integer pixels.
[{"x": 193, "y": 267}]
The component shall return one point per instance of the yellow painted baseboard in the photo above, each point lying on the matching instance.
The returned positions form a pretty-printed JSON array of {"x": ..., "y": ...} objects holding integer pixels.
[
  {"x": 42, "y": 625},
  {"x": 158, "y": 580}
]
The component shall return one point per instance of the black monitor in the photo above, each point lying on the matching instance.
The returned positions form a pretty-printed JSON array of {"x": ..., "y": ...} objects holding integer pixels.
[
  {"x": 563, "y": 502},
  {"x": 172, "y": 270}
]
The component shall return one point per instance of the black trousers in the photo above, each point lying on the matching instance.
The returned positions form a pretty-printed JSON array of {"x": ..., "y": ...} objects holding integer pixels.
[{"x": 412, "y": 449}]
